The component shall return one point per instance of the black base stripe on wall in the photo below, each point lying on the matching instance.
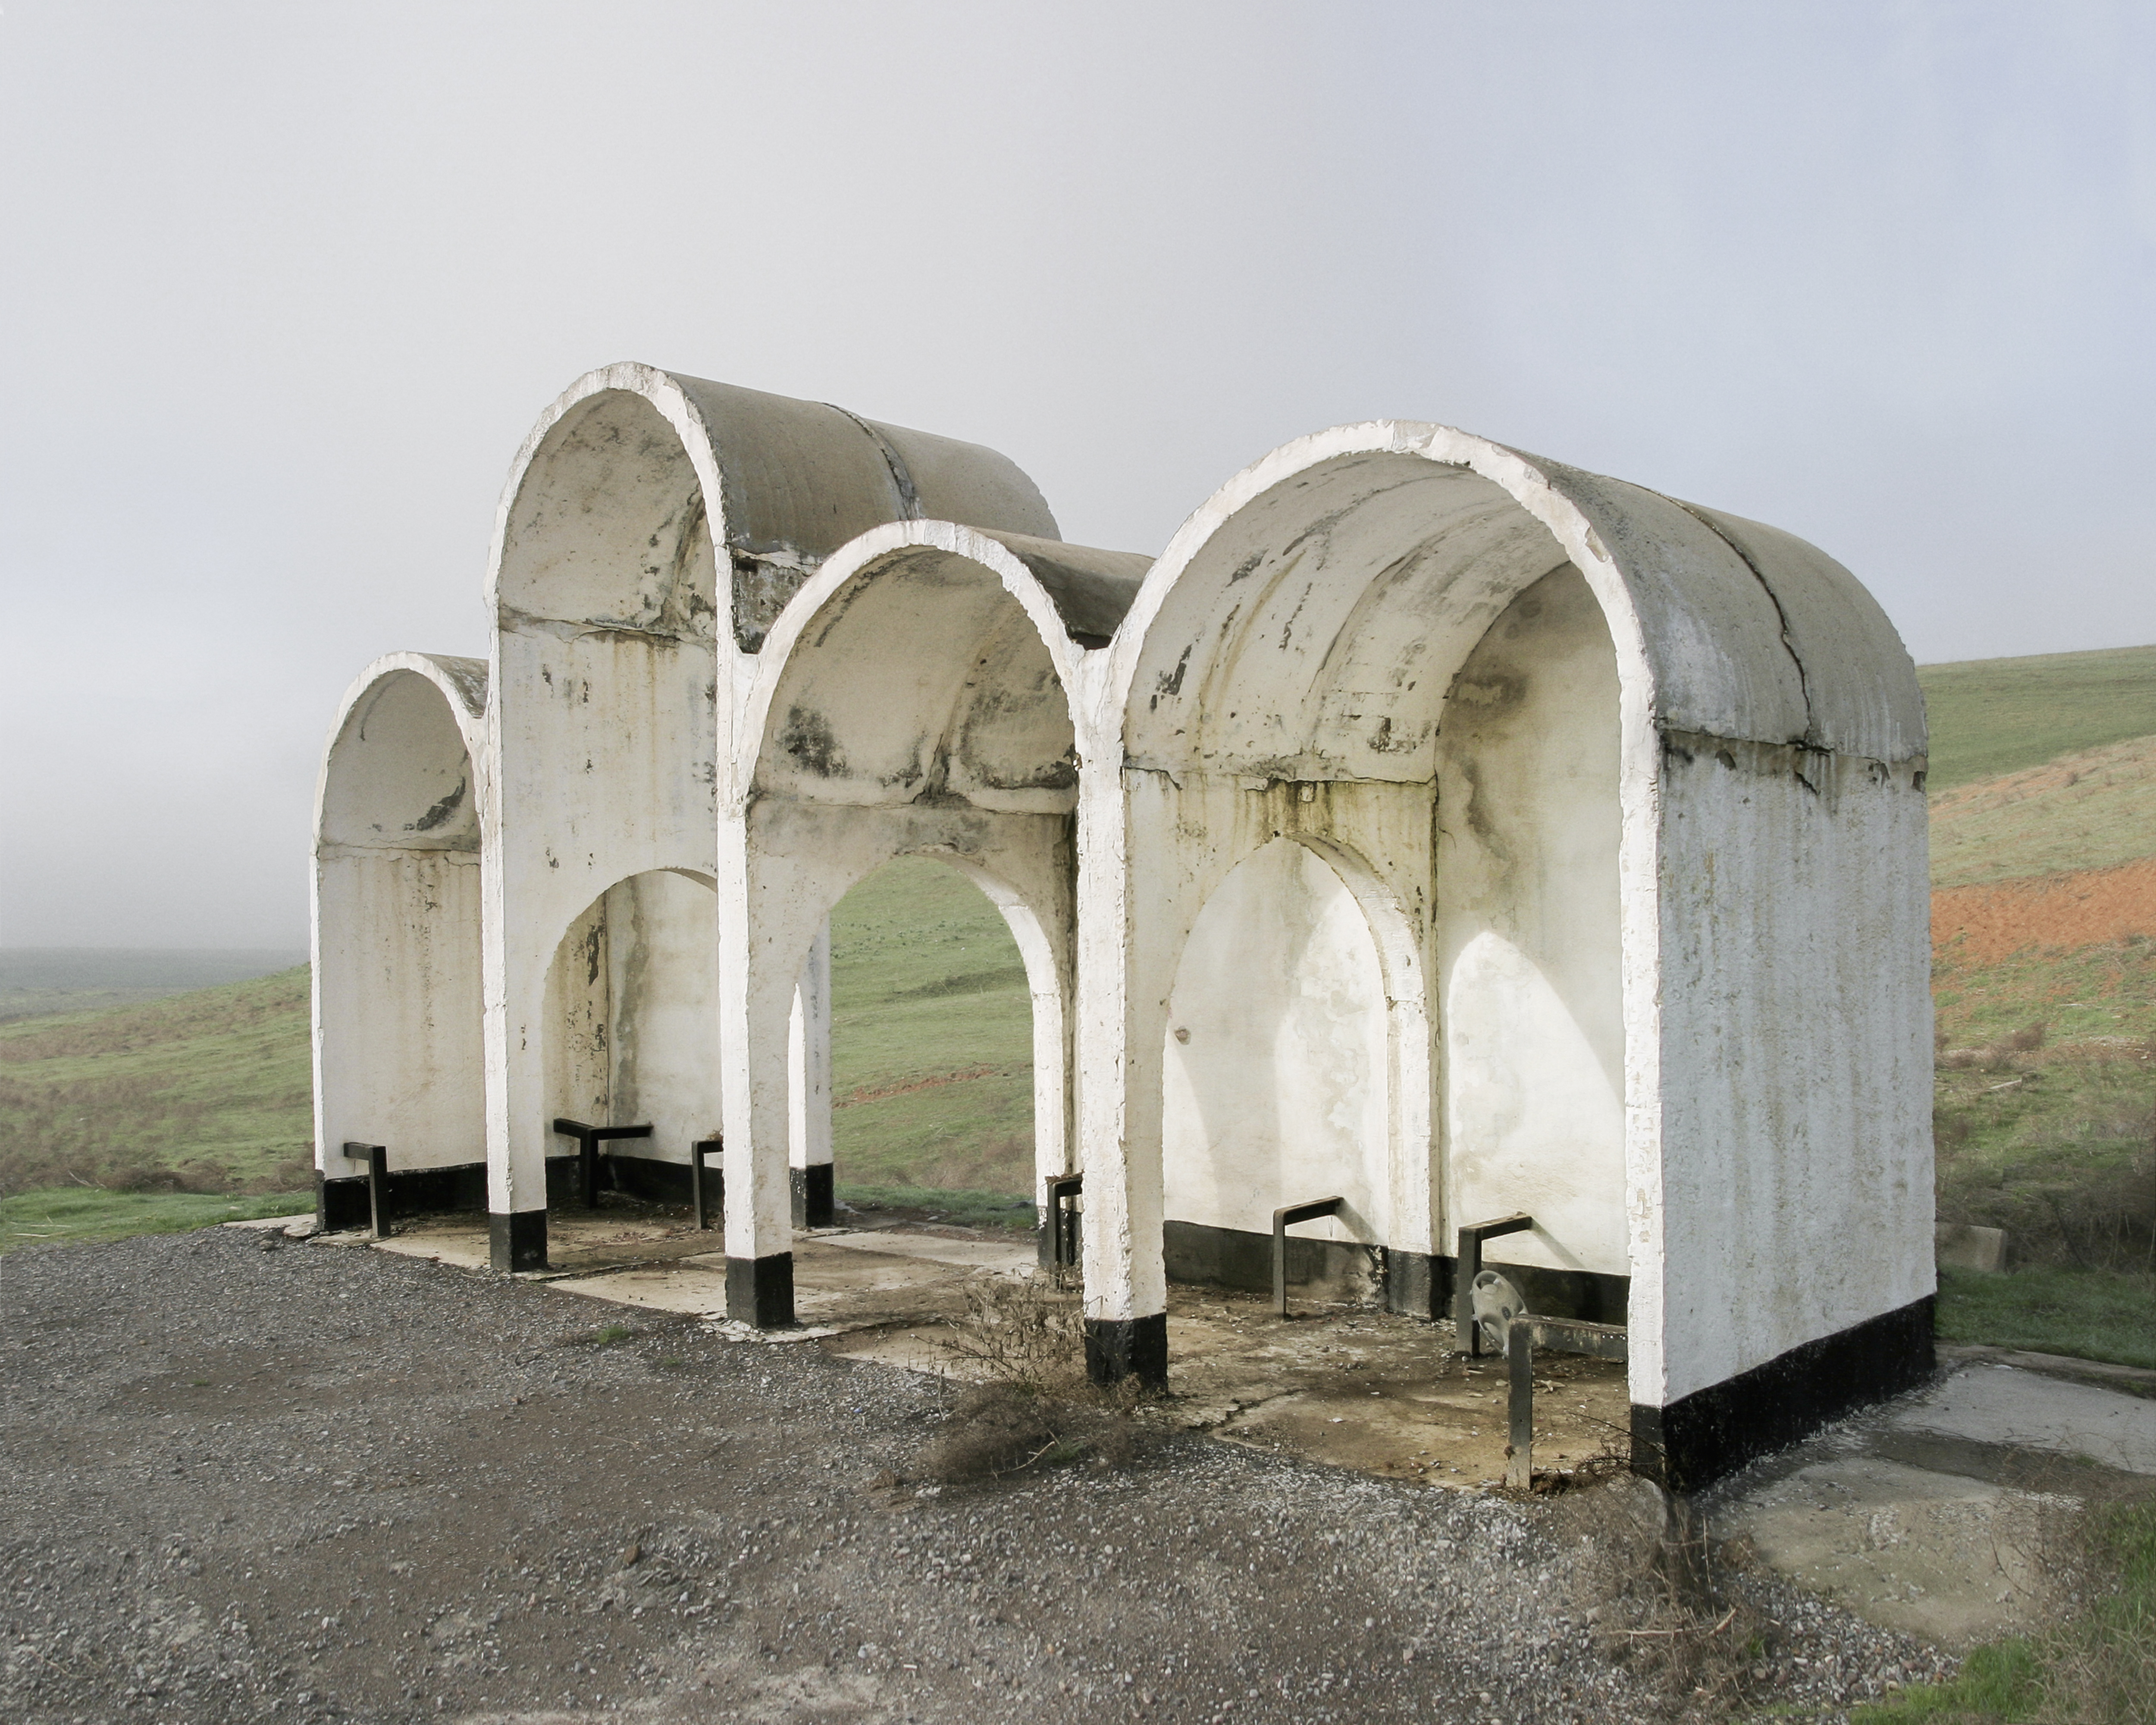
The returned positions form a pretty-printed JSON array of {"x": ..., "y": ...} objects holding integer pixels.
[
  {"x": 1712, "y": 1432},
  {"x": 1120, "y": 1347},
  {"x": 760, "y": 1291},
  {"x": 812, "y": 1195},
  {"x": 1415, "y": 1284},
  {"x": 341, "y": 1204},
  {"x": 517, "y": 1239}
]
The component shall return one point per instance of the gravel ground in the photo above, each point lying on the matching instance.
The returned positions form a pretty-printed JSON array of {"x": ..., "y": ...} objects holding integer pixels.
[{"x": 250, "y": 1480}]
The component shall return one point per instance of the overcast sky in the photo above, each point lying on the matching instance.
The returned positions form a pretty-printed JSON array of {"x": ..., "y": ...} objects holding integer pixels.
[{"x": 282, "y": 287}]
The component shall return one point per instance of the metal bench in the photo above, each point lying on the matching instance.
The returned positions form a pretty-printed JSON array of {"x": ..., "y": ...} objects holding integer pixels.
[
  {"x": 697, "y": 1152},
  {"x": 1283, "y": 1218},
  {"x": 588, "y": 1139},
  {"x": 377, "y": 1158}
]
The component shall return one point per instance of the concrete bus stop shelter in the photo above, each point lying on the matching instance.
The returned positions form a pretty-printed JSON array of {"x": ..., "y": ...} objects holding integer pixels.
[{"x": 1433, "y": 832}]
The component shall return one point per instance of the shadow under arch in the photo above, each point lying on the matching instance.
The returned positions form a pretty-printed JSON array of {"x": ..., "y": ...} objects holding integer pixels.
[
  {"x": 398, "y": 1055},
  {"x": 630, "y": 1029}
]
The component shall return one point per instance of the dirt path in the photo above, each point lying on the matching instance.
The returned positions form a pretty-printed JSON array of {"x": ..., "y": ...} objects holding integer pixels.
[{"x": 251, "y": 1480}]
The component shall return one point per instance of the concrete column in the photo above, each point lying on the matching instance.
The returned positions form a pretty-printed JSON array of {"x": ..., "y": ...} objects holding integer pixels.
[
  {"x": 757, "y": 993},
  {"x": 809, "y": 1060},
  {"x": 514, "y": 985},
  {"x": 1122, "y": 1006}
]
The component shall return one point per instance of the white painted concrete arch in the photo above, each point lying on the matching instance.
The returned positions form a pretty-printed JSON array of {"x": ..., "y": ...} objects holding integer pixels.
[
  {"x": 1582, "y": 826},
  {"x": 1300, "y": 647},
  {"x": 654, "y": 528},
  {"x": 396, "y": 941},
  {"x": 916, "y": 699}
]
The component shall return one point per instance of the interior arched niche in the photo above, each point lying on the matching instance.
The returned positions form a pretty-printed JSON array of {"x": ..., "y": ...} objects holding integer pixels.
[
  {"x": 631, "y": 1024},
  {"x": 1527, "y": 935},
  {"x": 396, "y": 935},
  {"x": 609, "y": 528},
  {"x": 925, "y": 678},
  {"x": 1275, "y": 1087}
]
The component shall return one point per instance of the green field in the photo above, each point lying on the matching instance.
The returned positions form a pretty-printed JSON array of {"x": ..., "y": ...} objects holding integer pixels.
[
  {"x": 207, "y": 1091},
  {"x": 1996, "y": 716},
  {"x": 73, "y": 1215},
  {"x": 932, "y": 1036},
  {"x": 139, "y": 1117},
  {"x": 2089, "y": 809}
]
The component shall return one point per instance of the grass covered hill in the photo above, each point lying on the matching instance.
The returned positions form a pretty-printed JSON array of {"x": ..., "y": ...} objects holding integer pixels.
[
  {"x": 1994, "y": 716},
  {"x": 209, "y": 1091},
  {"x": 2043, "y": 817}
]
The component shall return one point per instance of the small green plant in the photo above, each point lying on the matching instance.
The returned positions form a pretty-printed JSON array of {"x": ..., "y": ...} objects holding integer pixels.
[
  {"x": 2099, "y": 1668},
  {"x": 2003, "y": 1681}
]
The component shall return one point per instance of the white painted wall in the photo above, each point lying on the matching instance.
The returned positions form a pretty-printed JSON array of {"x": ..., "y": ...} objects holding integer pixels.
[
  {"x": 631, "y": 1023},
  {"x": 1528, "y": 933},
  {"x": 1275, "y": 1059},
  {"x": 1797, "y": 1191},
  {"x": 662, "y": 933}
]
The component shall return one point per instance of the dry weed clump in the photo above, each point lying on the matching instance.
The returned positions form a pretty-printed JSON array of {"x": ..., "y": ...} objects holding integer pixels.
[
  {"x": 1998, "y": 1056},
  {"x": 1025, "y": 1336},
  {"x": 1653, "y": 1583},
  {"x": 1026, "y": 1332}
]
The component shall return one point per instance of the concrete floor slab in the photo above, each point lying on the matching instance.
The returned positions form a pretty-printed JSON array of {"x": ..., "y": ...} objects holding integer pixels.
[
  {"x": 1955, "y": 1560},
  {"x": 974, "y": 1254},
  {"x": 695, "y": 1286},
  {"x": 1381, "y": 1393},
  {"x": 1999, "y": 1405}
]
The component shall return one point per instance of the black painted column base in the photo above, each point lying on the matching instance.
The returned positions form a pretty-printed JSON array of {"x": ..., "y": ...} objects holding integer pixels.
[
  {"x": 340, "y": 1205},
  {"x": 1120, "y": 1347},
  {"x": 1417, "y": 1284},
  {"x": 812, "y": 1195},
  {"x": 760, "y": 1291},
  {"x": 1712, "y": 1432},
  {"x": 517, "y": 1239}
]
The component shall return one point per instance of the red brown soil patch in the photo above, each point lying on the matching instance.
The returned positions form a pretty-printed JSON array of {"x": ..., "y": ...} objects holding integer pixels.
[
  {"x": 885, "y": 1092},
  {"x": 2079, "y": 908}
]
